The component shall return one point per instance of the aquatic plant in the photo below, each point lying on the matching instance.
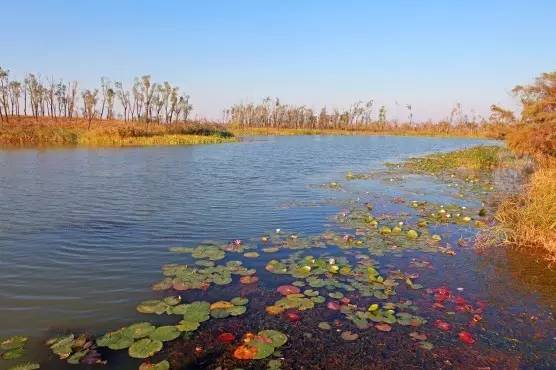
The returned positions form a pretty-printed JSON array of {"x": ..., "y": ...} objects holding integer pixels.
[{"x": 262, "y": 345}]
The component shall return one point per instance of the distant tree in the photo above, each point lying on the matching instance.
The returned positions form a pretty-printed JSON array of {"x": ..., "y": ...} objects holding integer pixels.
[
  {"x": 90, "y": 100},
  {"x": 4, "y": 91},
  {"x": 124, "y": 98},
  {"x": 501, "y": 115}
]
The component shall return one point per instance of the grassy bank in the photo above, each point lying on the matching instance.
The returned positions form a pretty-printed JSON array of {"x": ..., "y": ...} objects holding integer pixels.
[
  {"x": 524, "y": 221},
  {"x": 29, "y": 132},
  {"x": 492, "y": 131}
]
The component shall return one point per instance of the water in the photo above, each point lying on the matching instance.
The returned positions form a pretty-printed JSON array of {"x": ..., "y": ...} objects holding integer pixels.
[{"x": 83, "y": 232}]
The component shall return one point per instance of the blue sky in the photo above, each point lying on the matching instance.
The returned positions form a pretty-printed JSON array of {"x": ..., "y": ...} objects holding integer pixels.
[{"x": 430, "y": 54}]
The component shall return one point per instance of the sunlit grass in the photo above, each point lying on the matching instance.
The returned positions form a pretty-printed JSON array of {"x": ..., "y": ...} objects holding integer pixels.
[
  {"x": 44, "y": 132},
  {"x": 478, "y": 158},
  {"x": 493, "y": 131},
  {"x": 528, "y": 220}
]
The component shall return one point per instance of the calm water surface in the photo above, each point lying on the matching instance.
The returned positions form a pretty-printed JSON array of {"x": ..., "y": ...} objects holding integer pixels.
[{"x": 83, "y": 232}]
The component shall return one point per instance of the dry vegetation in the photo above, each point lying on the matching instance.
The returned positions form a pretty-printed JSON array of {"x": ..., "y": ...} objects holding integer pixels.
[
  {"x": 26, "y": 131},
  {"x": 528, "y": 220}
]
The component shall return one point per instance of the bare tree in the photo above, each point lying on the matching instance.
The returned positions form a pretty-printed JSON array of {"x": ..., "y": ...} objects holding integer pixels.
[{"x": 90, "y": 100}]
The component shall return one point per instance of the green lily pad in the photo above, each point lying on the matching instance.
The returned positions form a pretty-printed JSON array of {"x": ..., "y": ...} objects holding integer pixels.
[
  {"x": 237, "y": 310},
  {"x": 13, "y": 354},
  {"x": 324, "y": 325},
  {"x": 278, "y": 338},
  {"x": 220, "y": 313},
  {"x": 13, "y": 343},
  {"x": 144, "y": 348},
  {"x": 26, "y": 366},
  {"x": 75, "y": 358},
  {"x": 188, "y": 325},
  {"x": 115, "y": 340},
  {"x": 63, "y": 346},
  {"x": 211, "y": 252},
  {"x": 152, "y": 306},
  {"x": 336, "y": 295},
  {"x": 165, "y": 333},
  {"x": 263, "y": 349},
  {"x": 251, "y": 254},
  {"x": 139, "y": 330},
  {"x": 172, "y": 300},
  {"x": 239, "y": 301}
]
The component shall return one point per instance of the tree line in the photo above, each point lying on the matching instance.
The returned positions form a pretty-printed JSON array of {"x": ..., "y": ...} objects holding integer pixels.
[
  {"x": 271, "y": 113},
  {"x": 146, "y": 101}
]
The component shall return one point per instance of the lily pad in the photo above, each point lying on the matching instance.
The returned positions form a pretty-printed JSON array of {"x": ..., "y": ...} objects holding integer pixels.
[
  {"x": 278, "y": 338},
  {"x": 13, "y": 354},
  {"x": 239, "y": 301},
  {"x": 349, "y": 336},
  {"x": 188, "y": 325},
  {"x": 165, "y": 333},
  {"x": 163, "y": 365},
  {"x": 324, "y": 325},
  {"x": 13, "y": 343},
  {"x": 115, "y": 340},
  {"x": 26, "y": 366},
  {"x": 144, "y": 348},
  {"x": 139, "y": 330}
]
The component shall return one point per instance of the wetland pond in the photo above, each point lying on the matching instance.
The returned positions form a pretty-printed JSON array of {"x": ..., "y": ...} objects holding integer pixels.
[{"x": 272, "y": 253}]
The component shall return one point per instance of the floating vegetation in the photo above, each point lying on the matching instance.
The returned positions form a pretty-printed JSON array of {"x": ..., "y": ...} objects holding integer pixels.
[
  {"x": 26, "y": 366},
  {"x": 185, "y": 277},
  {"x": 262, "y": 345},
  {"x": 335, "y": 285},
  {"x": 12, "y": 348},
  {"x": 75, "y": 349},
  {"x": 162, "y": 365}
]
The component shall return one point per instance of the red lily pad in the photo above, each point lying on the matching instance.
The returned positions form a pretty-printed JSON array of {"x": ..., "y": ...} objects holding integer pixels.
[
  {"x": 333, "y": 305},
  {"x": 248, "y": 279},
  {"x": 466, "y": 337},
  {"x": 293, "y": 316},
  {"x": 226, "y": 338},
  {"x": 288, "y": 289},
  {"x": 383, "y": 327},
  {"x": 442, "y": 325}
]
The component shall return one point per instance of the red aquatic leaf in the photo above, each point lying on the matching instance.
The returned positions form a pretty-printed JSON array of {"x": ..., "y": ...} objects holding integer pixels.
[
  {"x": 438, "y": 306},
  {"x": 460, "y": 300},
  {"x": 441, "y": 294},
  {"x": 345, "y": 300},
  {"x": 466, "y": 337},
  {"x": 383, "y": 327},
  {"x": 442, "y": 325},
  {"x": 293, "y": 316},
  {"x": 333, "y": 305},
  {"x": 226, "y": 337},
  {"x": 248, "y": 279},
  {"x": 288, "y": 289}
]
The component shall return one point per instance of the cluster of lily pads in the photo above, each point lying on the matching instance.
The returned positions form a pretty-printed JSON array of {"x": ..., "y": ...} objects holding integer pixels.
[
  {"x": 261, "y": 345},
  {"x": 200, "y": 276},
  {"x": 13, "y": 348},
  {"x": 75, "y": 349}
]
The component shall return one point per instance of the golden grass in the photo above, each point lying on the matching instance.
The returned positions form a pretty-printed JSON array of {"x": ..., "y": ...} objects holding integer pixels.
[
  {"x": 528, "y": 220},
  {"x": 479, "y": 158},
  {"x": 44, "y": 132},
  {"x": 492, "y": 131}
]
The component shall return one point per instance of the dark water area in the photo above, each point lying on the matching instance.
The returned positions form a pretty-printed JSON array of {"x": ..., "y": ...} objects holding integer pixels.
[{"x": 84, "y": 233}]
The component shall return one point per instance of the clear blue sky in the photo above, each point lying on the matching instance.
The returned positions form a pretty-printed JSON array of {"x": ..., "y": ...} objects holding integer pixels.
[{"x": 430, "y": 54}]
